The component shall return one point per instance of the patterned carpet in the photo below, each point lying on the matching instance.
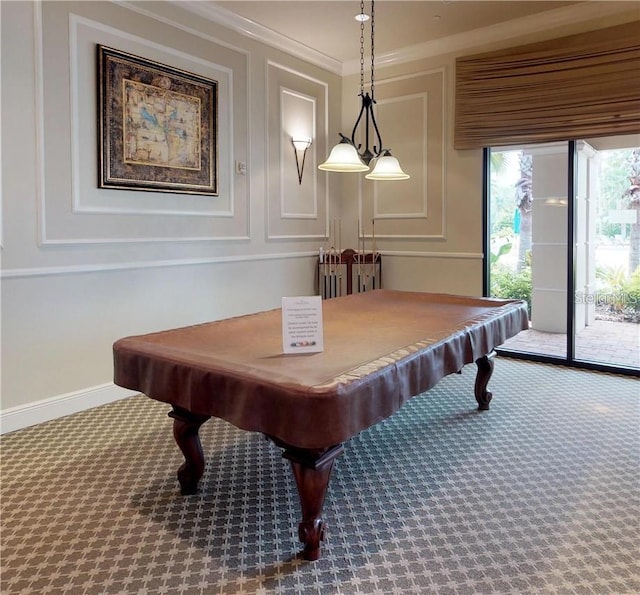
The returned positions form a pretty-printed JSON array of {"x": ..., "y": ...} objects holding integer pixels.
[{"x": 541, "y": 494}]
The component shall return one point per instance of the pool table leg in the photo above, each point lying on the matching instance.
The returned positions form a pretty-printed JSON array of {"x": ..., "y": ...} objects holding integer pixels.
[
  {"x": 185, "y": 431},
  {"x": 485, "y": 369},
  {"x": 312, "y": 471}
]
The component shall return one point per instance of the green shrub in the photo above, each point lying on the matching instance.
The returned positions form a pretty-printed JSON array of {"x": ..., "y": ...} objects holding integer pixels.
[
  {"x": 504, "y": 249},
  {"x": 613, "y": 278},
  {"x": 610, "y": 230},
  {"x": 620, "y": 294},
  {"x": 632, "y": 290},
  {"x": 506, "y": 283}
]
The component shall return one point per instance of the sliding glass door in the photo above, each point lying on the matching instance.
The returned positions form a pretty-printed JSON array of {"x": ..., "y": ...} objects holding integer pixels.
[
  {"x": 562, "y": 233},
  {"x": 607, "y": 265}
]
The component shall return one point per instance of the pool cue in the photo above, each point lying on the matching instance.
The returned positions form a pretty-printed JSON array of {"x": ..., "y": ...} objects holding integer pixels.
[
  {"x": 362, "y": 257},
  {"x": 373, "y": 250},
  {"x": 339, "y": 260},
  {"x": 323, "y": 269},
  {"x": 357, "y": 256}
]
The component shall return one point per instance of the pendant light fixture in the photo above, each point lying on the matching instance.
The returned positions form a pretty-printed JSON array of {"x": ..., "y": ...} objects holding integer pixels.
[{"x": 348, "y": 156}]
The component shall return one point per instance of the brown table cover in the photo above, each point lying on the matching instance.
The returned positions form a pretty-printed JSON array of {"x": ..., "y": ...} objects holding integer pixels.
[{"x": 380, "y": 349}]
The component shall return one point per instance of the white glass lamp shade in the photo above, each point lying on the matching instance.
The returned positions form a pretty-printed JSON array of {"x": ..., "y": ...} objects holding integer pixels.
[
  {"x": 387, "y": 168},
  {"x": 343, "y": 158}
]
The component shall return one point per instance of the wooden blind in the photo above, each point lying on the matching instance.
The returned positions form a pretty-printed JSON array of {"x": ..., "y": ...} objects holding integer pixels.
[{"x": 581, "y": 86}]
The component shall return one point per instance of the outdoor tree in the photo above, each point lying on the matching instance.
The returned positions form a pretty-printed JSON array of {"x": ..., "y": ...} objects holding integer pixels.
[
  {"x": 524, "y": 203},
  {"x": 632, "y": 199},
  {"x": 614, "y": 179},
  {"x": 501, "y": 195}
]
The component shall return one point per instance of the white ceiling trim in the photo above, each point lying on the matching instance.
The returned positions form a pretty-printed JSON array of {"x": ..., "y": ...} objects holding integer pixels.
[
  {"x": 260, "y": 33},
  {"x": 513, "y": 29}
]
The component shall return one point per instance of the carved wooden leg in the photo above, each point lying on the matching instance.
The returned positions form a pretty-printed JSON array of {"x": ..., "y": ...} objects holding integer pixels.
[
  {"x": 312, "y": 471},
  {"x": 485, "y": 369},
  {"x": 185, "y": 431}
]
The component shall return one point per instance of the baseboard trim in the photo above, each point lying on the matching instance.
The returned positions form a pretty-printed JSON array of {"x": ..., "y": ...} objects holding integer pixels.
[{"x": 23, "y": 416}]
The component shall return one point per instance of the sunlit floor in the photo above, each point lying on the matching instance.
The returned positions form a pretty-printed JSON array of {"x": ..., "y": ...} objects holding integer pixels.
[{"x": 616, "y": 343}]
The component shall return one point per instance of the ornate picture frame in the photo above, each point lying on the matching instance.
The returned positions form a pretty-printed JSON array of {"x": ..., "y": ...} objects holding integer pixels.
[{"x": 157, "y": 126}]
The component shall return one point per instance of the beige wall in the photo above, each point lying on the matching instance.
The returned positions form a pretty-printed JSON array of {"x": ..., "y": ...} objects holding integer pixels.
[
  {"x": 429, "y": 228},
  {"x": 439, "y": 249},
  {"x": 83, "y": 266}
]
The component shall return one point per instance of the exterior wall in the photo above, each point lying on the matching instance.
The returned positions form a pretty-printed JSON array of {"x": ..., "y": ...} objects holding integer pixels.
[{"x": 549, "y": 238}]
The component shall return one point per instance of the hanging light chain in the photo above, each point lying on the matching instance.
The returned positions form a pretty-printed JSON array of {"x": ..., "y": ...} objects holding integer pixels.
[
  {"x": 373, "y": 26},
  {"x": 362, "y": 47},
  {"x": 348, "y": 155}
]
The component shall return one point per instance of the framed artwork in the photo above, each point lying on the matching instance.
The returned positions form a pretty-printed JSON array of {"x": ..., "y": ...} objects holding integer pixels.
[{"x": 157, "y": 126}]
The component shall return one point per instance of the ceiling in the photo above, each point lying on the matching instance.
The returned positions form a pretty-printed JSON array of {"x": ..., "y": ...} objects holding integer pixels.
[{"x": 329, "y": 27}]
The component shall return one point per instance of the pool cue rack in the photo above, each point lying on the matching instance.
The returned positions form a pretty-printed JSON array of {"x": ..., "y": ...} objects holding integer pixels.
[{"x": 347, "y": 272}]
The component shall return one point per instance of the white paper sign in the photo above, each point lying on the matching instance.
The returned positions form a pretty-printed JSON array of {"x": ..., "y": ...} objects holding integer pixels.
[{"x": 302, "y": 324}]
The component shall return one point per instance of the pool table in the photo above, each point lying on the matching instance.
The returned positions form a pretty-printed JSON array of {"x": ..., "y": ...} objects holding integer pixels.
[{"x": 380, "y": 349}]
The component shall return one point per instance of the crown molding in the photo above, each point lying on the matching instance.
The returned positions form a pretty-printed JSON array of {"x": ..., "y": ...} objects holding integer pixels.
[
  {"x": 508, "y": 30},
  {"x": 513, "y": 29},
  {"x": 260, "y": 33}
]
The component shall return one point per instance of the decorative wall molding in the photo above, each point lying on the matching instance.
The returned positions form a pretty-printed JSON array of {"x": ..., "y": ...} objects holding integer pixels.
[
  {"x": 429, "y": 177},
  {"x": 44, "y": 238},
  {"x": 422, "y": 212},
  {"x": 305, "y": 88},
  {"x": 78, "y": 206},
  {"x": 426, "y": 236},
  {"x": 97, "y": 268},
  {"x": 307, "y": 123},
  {"x": 424, "y": 254},
  {"x": 149, "y": 240},
  {"x": 38, "y": 56},
  {"x": 126, "y": 266},
  {"x": 16, "y": 418}
]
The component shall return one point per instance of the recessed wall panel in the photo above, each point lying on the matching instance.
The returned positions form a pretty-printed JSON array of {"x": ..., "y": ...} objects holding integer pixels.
[
  {"x": 73, "y": 210},
  {"x": 298, "y": 171},
  {"x": 410, "y": 115},
  {"x": 296, "y": 106},
  {"x": 408, "y": 199}
]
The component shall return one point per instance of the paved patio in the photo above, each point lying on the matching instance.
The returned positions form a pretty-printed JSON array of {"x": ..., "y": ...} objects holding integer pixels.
[{"x": 606, "y": 342}]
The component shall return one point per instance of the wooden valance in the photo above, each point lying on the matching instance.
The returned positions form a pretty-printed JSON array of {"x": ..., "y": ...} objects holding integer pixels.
[{"x": 581, "y": 86}]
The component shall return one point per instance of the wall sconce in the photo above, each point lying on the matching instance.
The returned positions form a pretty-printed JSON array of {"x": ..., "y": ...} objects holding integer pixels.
[{"x": 300, "y": 145}]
